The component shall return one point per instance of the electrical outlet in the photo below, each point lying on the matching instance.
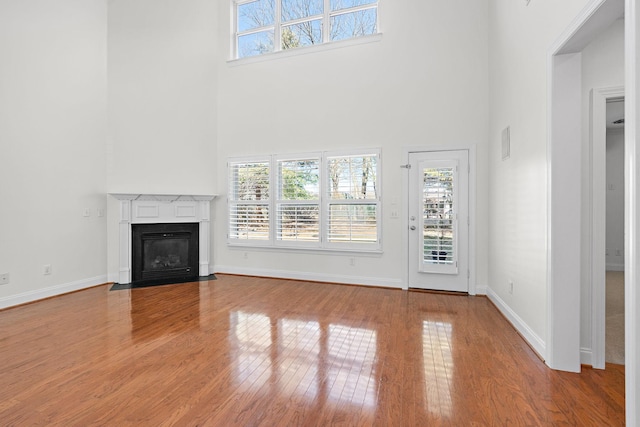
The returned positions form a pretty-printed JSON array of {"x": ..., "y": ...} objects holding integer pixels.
[
  {"x": 352, "y": 262},
  {"x": 4, "y": 278},
  {"x": 46, "y": 269},
  {"x": 510, "y": 288},
  {"x": 245, "y": 255}
]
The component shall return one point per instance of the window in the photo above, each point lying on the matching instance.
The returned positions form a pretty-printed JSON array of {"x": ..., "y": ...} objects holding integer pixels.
[
  {"x": 352, "y": 199},
  {"x": 263, "y": 26},
  {"x": 298, "y": 204},
  {"x": 318, "y": 201},
  {"x": 249, "y": 202}
]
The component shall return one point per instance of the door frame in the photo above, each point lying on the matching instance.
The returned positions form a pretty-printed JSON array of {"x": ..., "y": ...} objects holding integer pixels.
[
  {"x": 471, "y": 149},
  {"x": 564, "y": 183},
  {"x": 597, "y": 231},
  {"x": 587, "y": 24}
]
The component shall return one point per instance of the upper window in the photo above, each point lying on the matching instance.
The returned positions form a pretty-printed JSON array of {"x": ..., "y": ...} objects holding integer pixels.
[
  {"x": 263, "y": 26},
  {"x": 315, "y": 200}
]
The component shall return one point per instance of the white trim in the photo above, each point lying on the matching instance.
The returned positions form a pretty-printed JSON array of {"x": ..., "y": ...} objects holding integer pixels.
[
  {"x": 303, "y": 50},
  {"x": 473, "y": 179},
  {"x": 563, "y": 233},
  {"x": 240, "y": 2},
  {"x": 314, "y": 277},
  {"x": 586, "y": 356},
  {"x": 51, "y": 291},
  {"x": 482, "y": 289},
  {"x": 597, "y": 220},
  {"x": 632, "y": 181},
  {"x": 352, "y": 9},
  {"x": 318, "y": 251},
  {"x": 306, "y": 249},
  {"x": 615, "y": 267},
  {"x": 563, "y": 212},
  {"x": 520, "y": 325},
  {"x": 277, "y": 27},
  {"x": 632, "y": 213},
  {"x": 326, "y": 30},
  {"x": 592, "y": 20}
]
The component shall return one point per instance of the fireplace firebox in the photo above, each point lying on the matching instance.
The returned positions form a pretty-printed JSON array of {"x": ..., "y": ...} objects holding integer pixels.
[{"x": 167, "y": 251}]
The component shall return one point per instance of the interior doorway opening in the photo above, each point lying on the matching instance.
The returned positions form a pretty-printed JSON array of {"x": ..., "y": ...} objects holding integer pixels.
[
  {"x": 614, "y": 226},
  {"x": 606, "y": 242}
]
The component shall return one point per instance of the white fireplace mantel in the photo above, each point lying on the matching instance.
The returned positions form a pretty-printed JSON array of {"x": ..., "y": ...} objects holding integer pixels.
[{"x": 161, "y": 208}]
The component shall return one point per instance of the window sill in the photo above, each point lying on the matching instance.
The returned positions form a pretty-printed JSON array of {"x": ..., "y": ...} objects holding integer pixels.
[
  {"x": 308, "y": 250},
  {"x": 305, "y": 50}
]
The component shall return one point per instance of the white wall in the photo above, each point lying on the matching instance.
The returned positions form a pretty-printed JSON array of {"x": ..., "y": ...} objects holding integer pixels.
[
  {"x": 162, "y": 101},
  {"x": 615, "y": 199},
  {"x": 52, "y": 139},
  {"x": 520, "y": 37},
  {"x": 423, "y": 84},
  {"x": 602, "y": 67}
]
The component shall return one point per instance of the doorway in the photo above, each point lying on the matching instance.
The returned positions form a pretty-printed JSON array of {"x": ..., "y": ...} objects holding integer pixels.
[
  {"x": 563, "y": 346},
  {"x": 614, "y": 252},
  {"x": 607, "y": 218},
  {"x": 563, "y": 323},
  {"x": 439, "y": 220}
]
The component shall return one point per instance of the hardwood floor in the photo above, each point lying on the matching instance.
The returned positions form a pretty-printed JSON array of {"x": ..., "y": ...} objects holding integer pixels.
[{"x": 252, "y": 351}]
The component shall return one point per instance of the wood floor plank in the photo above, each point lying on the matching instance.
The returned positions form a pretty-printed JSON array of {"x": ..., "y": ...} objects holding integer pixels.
[{"x": 265, "y": 352}]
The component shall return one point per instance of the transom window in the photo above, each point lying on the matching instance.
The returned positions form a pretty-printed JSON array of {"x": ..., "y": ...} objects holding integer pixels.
[
  {"x": 264, "y": 26},
  {"x": 316, "y": 200}
]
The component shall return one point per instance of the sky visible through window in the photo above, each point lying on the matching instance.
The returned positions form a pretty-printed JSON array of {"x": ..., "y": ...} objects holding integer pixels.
[{"x": 301, "y": 23}]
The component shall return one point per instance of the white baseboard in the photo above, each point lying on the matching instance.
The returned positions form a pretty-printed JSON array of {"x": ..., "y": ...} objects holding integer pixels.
[
  {"x": 586, "y": 356},
  {"x": 523, "y": 329},
  {"x": 615, "y": 267},
  {"x": 481, "y": 289},
  {"x": 314, "y": 277},
  {"x": 51, "y": 291}
]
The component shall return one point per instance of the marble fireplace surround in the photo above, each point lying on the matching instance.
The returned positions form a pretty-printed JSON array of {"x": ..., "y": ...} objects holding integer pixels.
[{"x": 161, "y": 208}]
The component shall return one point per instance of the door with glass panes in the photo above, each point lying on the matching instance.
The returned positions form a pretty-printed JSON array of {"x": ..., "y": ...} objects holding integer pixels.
[{"x": 439, "y": 220}]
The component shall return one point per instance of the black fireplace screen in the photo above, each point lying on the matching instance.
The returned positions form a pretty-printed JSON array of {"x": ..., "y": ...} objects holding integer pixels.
[{"x": 165, "y": 251}]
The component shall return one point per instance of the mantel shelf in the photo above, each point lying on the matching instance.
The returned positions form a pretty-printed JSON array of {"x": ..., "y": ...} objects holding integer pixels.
[{"x": 167, "y": 198}]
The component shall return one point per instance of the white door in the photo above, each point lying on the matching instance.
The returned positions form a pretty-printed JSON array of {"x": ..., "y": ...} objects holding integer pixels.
[{"x": 439, "y": 220}]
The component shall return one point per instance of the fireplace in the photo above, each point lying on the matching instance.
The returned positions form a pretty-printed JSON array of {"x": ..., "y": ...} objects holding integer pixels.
[
  {"x": 140, "y": 210},
  {"x": 164, "y": 251}
]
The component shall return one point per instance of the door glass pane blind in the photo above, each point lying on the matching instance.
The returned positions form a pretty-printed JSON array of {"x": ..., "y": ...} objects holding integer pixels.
[{"x": 438, "y": 215}]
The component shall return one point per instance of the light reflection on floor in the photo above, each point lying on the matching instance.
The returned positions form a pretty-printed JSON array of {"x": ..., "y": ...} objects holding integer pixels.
[
  {"x": 438, "y": 367},
  {"x": 304, "y": 359},
  {"x": 351, "y": 355},
  {"x": 298, "y": 357},
  {"x": 252, "y": 344}
]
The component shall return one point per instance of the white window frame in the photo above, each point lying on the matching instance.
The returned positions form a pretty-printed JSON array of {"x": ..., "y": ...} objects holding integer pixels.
[
  {"x": 230, "y": 201},
  {"x": 279, "y": 200},
  {"x": 325, "y": 203},
  {"x": 278, "y": 25}
]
